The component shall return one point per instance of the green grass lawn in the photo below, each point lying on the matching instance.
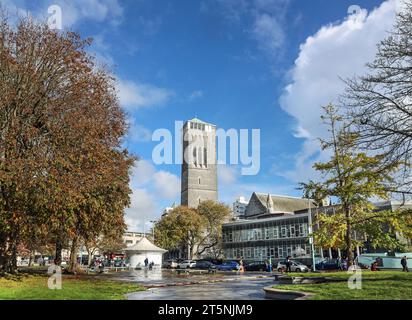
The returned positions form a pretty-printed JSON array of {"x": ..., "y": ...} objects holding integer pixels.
[
  {"x": 380, "y": 285},
  {"x": 34, "y": 287}
]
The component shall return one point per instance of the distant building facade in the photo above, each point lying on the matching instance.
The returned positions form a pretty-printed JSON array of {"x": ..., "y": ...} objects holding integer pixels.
[
  {"x": 199, "y": 172},
  {"x": 239, "y": 207},
  {"x": 275, "y": 227},
  {"x": 130, "y": 238},
  {"x": 269, "y": 229}
]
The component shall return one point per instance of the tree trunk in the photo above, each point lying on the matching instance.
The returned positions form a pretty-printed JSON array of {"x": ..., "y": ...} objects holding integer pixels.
[
  {"x": 31, "y": 258},
  {"x": 58, "y": 254},
  {"x": 3, "y": 245},
  {"x": 73, "y": 255},
  {"x": 13, "y": 258},
  {"x": 10, "y": 258},
  {"x": 89, "y": 257},
  {"x": 348, "y": 239}
]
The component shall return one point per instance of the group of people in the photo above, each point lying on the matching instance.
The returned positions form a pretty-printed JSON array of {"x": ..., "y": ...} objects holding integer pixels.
[{"x": 148, "y": 265}]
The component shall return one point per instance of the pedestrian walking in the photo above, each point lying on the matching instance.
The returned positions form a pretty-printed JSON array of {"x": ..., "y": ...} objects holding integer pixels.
[
  {"x": 288, "y": 264},
  {"x": 339, "y": 263},
  {"x": 404, "y": 263},
  {"x": 146, "y": 262}
]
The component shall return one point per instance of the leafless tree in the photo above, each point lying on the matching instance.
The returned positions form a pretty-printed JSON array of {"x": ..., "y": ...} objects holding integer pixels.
[{"x": 379, "y": 103}]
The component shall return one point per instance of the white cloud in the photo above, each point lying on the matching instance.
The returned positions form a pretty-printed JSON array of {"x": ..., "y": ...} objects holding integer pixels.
[
  {"x": 142, "y": 209},
  {"x": 167, "y": 185},
  {"x": 150, "y": 187},
  {"x": 138, "y": 132},
  {"x": 336, "y": 51},
  {"x": 142, "y": 173},
  {"x": 268, "y": 32},
  {"x": 267, "y": 16},
  {"x": 73, "y": 11},
  {"x": 227, "y": 174},
  {"x": 135, "y": 95}
]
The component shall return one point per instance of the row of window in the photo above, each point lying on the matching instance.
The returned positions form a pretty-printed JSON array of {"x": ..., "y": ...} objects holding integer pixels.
[
  {"x": 269, "y": 233},
  {"x": 273, "y": 252},
  {"x": 198, "y": 158},
  {"x": 199, "y": 126}
]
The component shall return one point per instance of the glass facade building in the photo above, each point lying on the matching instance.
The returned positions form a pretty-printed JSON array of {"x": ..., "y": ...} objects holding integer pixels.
[{"x": 272, "y": 238}]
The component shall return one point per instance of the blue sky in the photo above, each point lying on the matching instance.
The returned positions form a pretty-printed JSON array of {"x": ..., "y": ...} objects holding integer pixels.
[{"x": 243, "y": 64}]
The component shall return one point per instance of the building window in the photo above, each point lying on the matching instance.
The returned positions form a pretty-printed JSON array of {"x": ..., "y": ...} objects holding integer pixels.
[
  {"x": 275, "y": 232},
  {"x": 205, "y": 156},
  {"x": 199, "y": 180},
  {"x": 283, "y": 232},
  {"x": 195, "y": 156}
]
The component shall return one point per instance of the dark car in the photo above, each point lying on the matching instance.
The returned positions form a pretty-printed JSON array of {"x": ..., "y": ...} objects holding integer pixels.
[
  {"x": 327, "y": 265},
  {"x": 256, "y": 266},
  {"x": 228, "y": 266},
  {"x": 204, "y": 265}
]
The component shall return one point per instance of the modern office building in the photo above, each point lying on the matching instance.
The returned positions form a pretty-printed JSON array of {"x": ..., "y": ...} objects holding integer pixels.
[{"x": 275, "y": 227}]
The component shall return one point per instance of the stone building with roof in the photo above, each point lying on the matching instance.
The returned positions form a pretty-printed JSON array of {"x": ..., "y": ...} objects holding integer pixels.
[
  {"x": 199, "y": 172},
  {"x": 275, "y": 227}
]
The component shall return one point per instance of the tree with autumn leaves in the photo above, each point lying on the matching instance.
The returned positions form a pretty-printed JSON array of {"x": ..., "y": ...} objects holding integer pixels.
[
  {"x": 199, "y": 229},
  {"x": 64, "y": 177}
]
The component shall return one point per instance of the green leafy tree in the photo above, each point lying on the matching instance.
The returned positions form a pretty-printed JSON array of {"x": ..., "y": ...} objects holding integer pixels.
[{"x": 353, "y": 178}]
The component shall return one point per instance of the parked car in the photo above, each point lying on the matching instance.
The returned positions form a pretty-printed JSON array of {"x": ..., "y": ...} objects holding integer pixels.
[
  {"x": 228, "y": 266},
  {"x": 170, "y": 264},
  {"x": 328, "y": 265},
  {"x": 119, "y": 263},
  {"x": 204, "y": 265},
  {"x": 186, "y": 264},
  {"x": 295, "y": 267},
  {"x": 256, "y": 266}
]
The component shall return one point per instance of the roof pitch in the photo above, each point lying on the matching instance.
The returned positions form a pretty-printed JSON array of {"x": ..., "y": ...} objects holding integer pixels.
[
  {"x": 283, "y": 203},
  {"x": 145, "y": 245}
]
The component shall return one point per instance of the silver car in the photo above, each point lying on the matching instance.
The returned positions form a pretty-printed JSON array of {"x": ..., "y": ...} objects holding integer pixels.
[
  {"x": 186, "y": 264},
  {"x": 295, "y": 267}
]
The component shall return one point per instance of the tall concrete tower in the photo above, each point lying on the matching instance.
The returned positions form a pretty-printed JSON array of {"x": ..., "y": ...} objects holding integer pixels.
[{"x": 199, "y": 171}]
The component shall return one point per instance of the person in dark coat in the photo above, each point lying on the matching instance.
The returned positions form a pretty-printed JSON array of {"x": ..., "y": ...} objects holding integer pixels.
[
  {"x": 288, "y": 264},
  {"x": 404, "y": 263}
]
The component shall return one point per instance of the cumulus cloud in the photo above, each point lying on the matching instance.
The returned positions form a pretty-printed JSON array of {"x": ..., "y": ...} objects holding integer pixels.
[
  {"x": 167, "y": 184},
  {"x": 134, "y": 95},
  {"x": 150, "y": 187},
  {"x": 336, "y": 51},
  {"x": 142, "y": 209}
]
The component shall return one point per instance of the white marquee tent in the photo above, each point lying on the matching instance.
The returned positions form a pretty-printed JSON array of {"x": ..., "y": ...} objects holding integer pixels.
[{"x": 144, "y": 249}]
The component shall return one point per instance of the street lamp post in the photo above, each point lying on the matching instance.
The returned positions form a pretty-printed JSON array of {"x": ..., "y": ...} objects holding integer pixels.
[
  {"x": 153, "y": 227},
  {"x": 312, "y": 245}
]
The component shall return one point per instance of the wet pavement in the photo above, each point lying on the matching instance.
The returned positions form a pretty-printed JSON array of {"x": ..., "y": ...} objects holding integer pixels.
[
  {"x": 240, "y": 288},
  {"x": 162, "y": 277}
]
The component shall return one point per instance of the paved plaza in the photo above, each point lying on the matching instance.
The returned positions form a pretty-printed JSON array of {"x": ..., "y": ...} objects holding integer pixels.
[{"x": 245, "y": 288}]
